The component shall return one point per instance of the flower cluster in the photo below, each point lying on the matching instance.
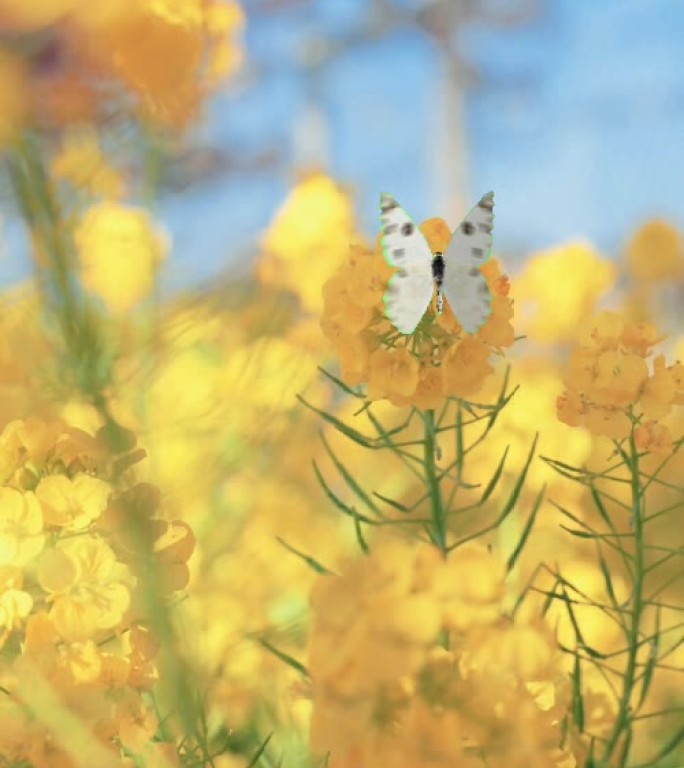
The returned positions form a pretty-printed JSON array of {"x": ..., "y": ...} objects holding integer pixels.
[
  {"x": 493, "y": 693},
  {"x": 438, "y": 361},
  {"x": 558, "y": 288},
  {"x": 119, "y": 251},
  {"x": 73, "y": 620},
  {"x": 76, "y": 60},
  {"x": 610, "y": 388},
  {"x": 307, "y": 239},
  {"x": 655, "y": 253}
]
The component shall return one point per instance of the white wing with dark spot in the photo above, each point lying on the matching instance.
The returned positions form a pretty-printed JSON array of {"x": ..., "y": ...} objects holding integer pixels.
[
  {"x": 465, "y": 287},
  {"x": 411, "y": 288}
]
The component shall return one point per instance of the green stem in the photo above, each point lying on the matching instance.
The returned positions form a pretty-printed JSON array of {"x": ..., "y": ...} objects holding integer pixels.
[
  {"x": 439, "y": 528},
  {"x": 623, "y": 721},
  {"x": 40, "y": 208}
]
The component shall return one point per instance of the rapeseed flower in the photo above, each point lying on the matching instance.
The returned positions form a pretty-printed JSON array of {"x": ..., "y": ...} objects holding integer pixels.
[
  {"x": 610, "y": 388},
  {"x": 558, "y": 288},
  {"x": 70, "y": 584},
  {"x": 377, "y": 664},
  {"x": 438, "y": 361},
  {"x": 307, "y": 239},
  {"x": 119, "y": 252},
  {"x": 82, "y": 163},
  {"x": 655, "y": 253},
  {"x": 14, "y": 100},
  {"x": 189, "y": 47}
]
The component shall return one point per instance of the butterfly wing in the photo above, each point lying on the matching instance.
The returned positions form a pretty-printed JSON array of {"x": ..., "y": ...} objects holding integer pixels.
[
  {"x": 464, "y": 285},
  {"x": 411, "y": 289}
]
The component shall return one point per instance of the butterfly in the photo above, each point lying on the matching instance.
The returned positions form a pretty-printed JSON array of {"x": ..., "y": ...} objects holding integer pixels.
[{"x": 456, "y": 274}]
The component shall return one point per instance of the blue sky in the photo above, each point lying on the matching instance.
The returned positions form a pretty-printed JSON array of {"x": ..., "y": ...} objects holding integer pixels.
[{"x": 577, "y": 125}]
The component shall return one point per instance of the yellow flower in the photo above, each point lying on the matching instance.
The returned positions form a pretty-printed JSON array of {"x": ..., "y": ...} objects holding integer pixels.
[
  {"x": 618, "y": 379},
  {"x": 72, "y": 503},
  {"x": 21, "y": 527},
  {"x": 448, "y": 363},
  {"x": 225, "y": 21},
  {"x": 611, "y": 422},
  {"x": 653, "y": 437},
  {"x": 639, "y": 338},
  {"x": 559, "y": 287},
  {"x": 570, "y": 408},
  {"x": 603, "y": 330},
  {"x": 471, "y": 586},
  {"x": 371, "y": 624},
  {"x": 430, "y": 392},
  {"x": 466, "y": 366},
  {"x": 609, "y": 382},
  {"x": 437, "y": 233},
  {"x": 167, "y": 72},
  {"x": 677, "y": 371},
  {"x": 82, "y": 163},
  {"x": 517, "y": 650},
  {"x": 119, "y": 252},
  {"x": 14, "y": 91},
  {"x": 497, "y": 330},
  {"x": 308, "y": 239},
  {"x": 393, "y": 374},
  {"x": 88, "y": 586},
  {"x": 15, "y": 603},
  {"x": 658, "y": 393},
  {"x": 343, "y": 313},
  {"x": 173, "y": 547},
  {"x": 655, "y": 252},
  {"x": 366, "y": 276},
  {"x": 355, "y": 354}
]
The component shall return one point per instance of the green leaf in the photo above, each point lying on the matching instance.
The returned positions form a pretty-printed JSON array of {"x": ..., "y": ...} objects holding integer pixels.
[
  {"x": 313, "y": 564},
  {"x": 578, "y": 534},
  {"x": 344, "y": 387},
  {"x": 340, "y": 426},
  {"x": 608, "y": 580},
  {"x": 289, "y": 660},
  {"x": 257, "y": 755},
  {"x": 346, "y": 509},
  {"x": 526, "y": 531},
  {"x": 600, "y": 506},
  {"x": 577, "y": 699},
  {"x": 349, "y": 479},
  {"x": 459, "y": 442},
  {"x": 670, "y": 745},
  {"x": 491, "y": 485},
  {"x": 359, "y": 534},
  {"x": 652, "y": 662},
  {"x": 513, "y": 499},
  {"x": 396, "y": 504},
  {"x": 575, "y": 625}
]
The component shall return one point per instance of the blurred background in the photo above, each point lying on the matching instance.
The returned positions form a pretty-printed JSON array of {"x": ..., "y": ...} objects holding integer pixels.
[{"x": 570, "y": 110}]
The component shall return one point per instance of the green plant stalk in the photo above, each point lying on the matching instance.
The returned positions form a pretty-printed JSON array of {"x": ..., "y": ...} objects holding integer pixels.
[
  {"x": 41, "y": 211},
  {"x": 623, "y": 719},
  {"x": 437, "y": 512}
]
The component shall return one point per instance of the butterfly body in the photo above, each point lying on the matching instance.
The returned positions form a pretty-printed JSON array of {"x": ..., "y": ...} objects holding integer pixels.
[
  {"x": 455, "y": 274},
  {"x": 438, "y": 276}
]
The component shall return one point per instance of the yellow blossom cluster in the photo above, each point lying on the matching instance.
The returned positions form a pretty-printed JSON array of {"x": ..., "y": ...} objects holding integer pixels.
[
  {"x": 119, "y": 252},
  {"x": 610, "y": 388},
  {"x": 655, "y": 253},
  {"x": 307, "y": 239},
  {"x": 413, "y": 653},
  {"x": 558, "y": 288},
  {"x": 74, "y": 625},
  {"x": 438, "y": 361},
  {"x": 72, "y": 55}
]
